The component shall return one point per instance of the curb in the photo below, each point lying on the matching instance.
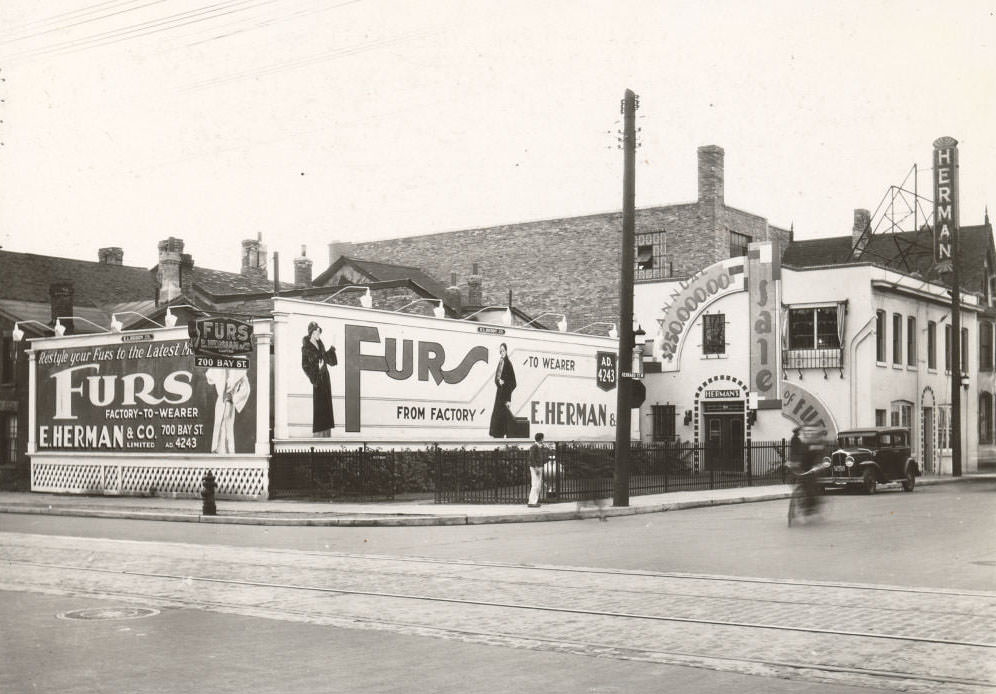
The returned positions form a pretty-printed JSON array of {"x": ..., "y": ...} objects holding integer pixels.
[{"x": 387, "y": 521}]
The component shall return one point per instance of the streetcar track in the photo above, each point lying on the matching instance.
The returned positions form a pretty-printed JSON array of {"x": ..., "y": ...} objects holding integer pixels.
[
  {"x": 584, "y": 648},
  {"x": 941, "y": 592},
  {"x": 504, "y": 605}
]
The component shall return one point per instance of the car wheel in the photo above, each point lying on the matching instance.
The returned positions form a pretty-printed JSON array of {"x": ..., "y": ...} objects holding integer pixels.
[
  {"x": 868, "y": 481},
  {"x": 910, "y": 481}
]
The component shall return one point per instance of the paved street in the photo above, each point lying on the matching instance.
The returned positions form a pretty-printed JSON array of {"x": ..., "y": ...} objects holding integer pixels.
[{"x": 777, "y": 621}]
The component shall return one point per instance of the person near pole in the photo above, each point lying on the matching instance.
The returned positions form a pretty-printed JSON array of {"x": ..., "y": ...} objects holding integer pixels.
[{"x": 537, "y": 458}]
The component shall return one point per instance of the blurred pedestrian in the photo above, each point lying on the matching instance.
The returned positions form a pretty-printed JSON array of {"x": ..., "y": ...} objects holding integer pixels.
[{"x": 537, "y": 458}]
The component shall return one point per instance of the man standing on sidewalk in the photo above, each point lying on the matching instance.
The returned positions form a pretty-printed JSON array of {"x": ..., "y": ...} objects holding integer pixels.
[{"x": 537, "y": 458}]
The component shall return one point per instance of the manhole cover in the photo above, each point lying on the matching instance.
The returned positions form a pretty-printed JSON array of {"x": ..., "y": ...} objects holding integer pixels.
[{"x": 104, "y": 613}]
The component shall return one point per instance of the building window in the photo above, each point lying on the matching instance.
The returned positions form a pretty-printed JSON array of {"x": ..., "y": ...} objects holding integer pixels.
[
  {"x": 8, "y": 439},
  {"x": 880, "y": 336},
  {"x": 897, "y": 339},
  {"x": 714, "y": 334},
  {"x": 931, "y": 345},
  {"x": 7, "y": 347},
  {"x": 813, "y": 328},
  {"x": 985, "y": 417},
  {"x": 901, "y": 414},
  {"x": 985, "y": 346},
  {"x": 944, "y": 427},
  {"x": 652, "y": 262},
  {"x": 880, "y": 418},
  {"x": 663, "y": 422},
  {"x": 911, "y": 341},
  {"x": 738, "y": 244},
  {"x": 947, "y": 347},
  {"x": 963, "y": 366}
]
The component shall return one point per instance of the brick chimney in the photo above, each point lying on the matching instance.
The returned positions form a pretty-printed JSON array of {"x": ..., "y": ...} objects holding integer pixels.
[
  {"x": 170, "y": 259},
  {"x": 111, "y": 255},
  {"x": 711, "y": 175},
  {"x": 186, "y": 272},
  {"x": 452, "y": 293},
  {"x": 302, "y": 269},
  {"x": 254, "y": 258},
  {"x": 862, "y": 221},
  {"x": 60, "y": 295},
  {"x": 475, "y": 293},
  {"x": 337, "y": 249}
]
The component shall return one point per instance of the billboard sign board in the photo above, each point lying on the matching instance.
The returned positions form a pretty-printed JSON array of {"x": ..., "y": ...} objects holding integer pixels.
[
  {"x": 410, "y": 378},
  {"x": 220, "y": 341},
  {"x": 146, "y": 396}
]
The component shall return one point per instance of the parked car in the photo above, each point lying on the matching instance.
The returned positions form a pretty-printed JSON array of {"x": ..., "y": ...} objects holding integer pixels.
[{"x": 865, "y": 458}]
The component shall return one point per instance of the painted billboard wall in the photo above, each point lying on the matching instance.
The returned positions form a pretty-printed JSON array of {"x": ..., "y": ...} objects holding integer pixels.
[
  {"x": 410, "y": 378},
  {"x": 136, "y": 393}
]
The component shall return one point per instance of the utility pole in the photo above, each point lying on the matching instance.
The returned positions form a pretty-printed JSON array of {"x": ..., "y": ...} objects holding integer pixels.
[{"x": 620, "y": 482}]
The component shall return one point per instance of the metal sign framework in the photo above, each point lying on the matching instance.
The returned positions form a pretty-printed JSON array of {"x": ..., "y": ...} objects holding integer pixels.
[{"x": 907, "y": 217}]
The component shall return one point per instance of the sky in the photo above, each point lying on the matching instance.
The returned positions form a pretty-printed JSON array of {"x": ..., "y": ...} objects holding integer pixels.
[{"x": 125, "y": 122}]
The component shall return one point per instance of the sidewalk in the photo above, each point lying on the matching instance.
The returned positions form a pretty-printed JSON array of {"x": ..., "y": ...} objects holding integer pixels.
[{"x": 285, "y": 512}]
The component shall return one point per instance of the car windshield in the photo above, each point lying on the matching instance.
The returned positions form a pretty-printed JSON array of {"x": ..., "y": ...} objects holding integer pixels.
[{"x": 861, "y": 440}]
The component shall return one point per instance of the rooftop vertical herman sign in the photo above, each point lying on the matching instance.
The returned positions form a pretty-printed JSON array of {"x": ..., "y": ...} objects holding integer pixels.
[{"x": 945, "y": 201}]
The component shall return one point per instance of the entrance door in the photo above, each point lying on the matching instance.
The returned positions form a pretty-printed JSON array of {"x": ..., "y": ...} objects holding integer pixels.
[
  {"x": 927, "y": 464},
  {"x": 724, "y": 439}
]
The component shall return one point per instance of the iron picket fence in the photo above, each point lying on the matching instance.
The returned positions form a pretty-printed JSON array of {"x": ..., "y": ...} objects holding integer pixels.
[{"x": 574, "y": 471}]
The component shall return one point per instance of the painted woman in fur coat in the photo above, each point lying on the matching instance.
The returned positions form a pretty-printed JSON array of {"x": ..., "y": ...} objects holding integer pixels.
[{"x": 315, "y": 360}]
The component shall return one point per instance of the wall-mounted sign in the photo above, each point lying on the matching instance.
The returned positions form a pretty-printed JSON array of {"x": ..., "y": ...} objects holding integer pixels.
[
  {"x": 148, "y": 397},
  {"x": 945, "y": 201},
  {"x": 411, "y": 378},
  {"x": 805, "y": 409},
  {"x": 137, "y": 337},
  {"x": 689, "y": 297},
  {"x": 730, "y": 393},
  {"x": 605, "y": 373},
  {"x": 220, "y": 336},
  {"x": 763, "y": 275}
]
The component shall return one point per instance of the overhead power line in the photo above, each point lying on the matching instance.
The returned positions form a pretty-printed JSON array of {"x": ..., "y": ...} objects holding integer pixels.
[{"x": 168, "y": 23}]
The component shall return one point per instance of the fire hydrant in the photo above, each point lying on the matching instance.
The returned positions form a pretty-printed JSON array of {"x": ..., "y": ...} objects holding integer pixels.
[{"x": 208, "y": 485}]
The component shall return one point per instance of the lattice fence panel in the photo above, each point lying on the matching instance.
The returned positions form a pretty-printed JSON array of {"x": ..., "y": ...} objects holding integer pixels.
[
  {"x": 160, "y": 479},
  {"x": 75, "y": 477},
  {"x": 248, "y": 482}
]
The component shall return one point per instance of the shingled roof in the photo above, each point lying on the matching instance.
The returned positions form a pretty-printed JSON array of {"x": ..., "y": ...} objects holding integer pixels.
[
  {"x": 385, "y": 272},
  {"x": 907, "y": 252},
  {"x": 27, "y": 277}
]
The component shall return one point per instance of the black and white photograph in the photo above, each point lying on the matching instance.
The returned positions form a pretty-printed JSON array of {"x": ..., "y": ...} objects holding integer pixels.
[{"x": 504, "y": 346}]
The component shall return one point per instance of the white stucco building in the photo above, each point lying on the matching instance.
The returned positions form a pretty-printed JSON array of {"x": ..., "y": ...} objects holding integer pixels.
[{"x": 745, "y": 350}]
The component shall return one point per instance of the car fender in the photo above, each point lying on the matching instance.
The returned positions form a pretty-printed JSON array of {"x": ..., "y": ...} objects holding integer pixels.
[
  {"x": 864, "y": 464},
  {"x": 916, "y": 468}
]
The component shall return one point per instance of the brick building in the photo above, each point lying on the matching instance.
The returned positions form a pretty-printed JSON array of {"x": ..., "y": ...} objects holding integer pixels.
[{"x": 571, "y": 265}]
